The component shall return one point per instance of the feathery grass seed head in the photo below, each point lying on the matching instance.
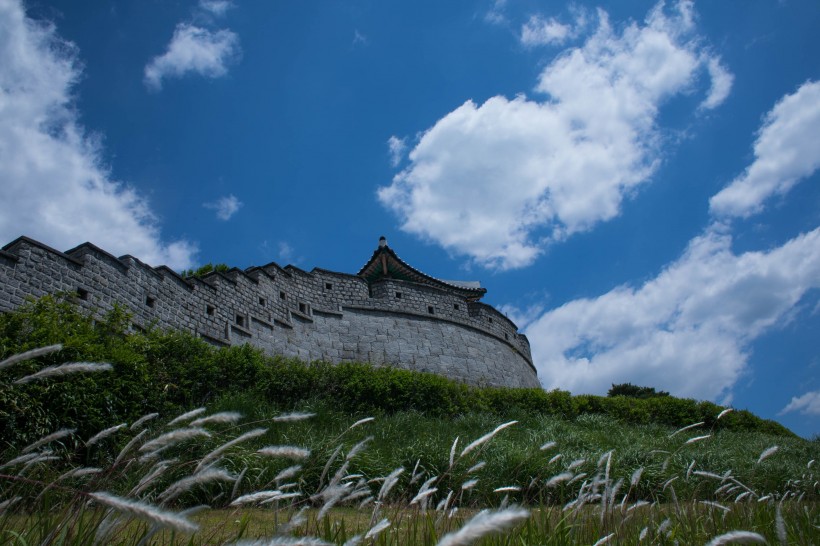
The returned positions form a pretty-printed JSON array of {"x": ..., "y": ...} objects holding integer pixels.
[{"x": 65, "y": 369}]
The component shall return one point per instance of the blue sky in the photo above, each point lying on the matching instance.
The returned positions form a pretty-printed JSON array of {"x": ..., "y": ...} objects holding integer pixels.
[{"x": 635, "y": 183}]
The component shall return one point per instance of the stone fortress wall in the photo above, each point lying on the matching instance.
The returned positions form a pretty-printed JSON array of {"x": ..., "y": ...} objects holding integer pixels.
[{"x": 316, "y": 315}]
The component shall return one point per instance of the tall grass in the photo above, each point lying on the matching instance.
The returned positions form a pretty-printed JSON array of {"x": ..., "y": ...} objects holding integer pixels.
[{"x": 318, "y": 476}]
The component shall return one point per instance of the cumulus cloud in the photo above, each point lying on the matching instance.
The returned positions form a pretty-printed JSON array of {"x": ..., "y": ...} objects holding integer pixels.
[
  {"x": 807, "y": 404},
  {"x": 193, "y": 50},
  {"x": 686, "y": 331},
  {"x": 539, "y": 31},
  {"x": 787, "y": 150},
  {"x": 397, "y": 147},
  {"x": 500, "y": 180},
  {"x": 225, "y": 207},
  {"x": 54, "y": 186},
  {"x": 216, "y": 7}
]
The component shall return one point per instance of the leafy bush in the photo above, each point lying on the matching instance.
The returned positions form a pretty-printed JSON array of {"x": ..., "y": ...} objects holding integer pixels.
[{"x": 634, "y": 391}]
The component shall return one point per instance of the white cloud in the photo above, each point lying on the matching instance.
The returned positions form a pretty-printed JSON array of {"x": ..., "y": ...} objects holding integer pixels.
[
  {"x": 522, "y": 317},
  {"x": 539, "y": 31},
  {"x": 495, "y": 15},
  {"x": 225, "y": 207},
  {"x": 54, "y": 186},
  {"x": 216, "y": 7},
  {"x": 359, "y": 38},
  {"x": 688, "y": 330},
  {"x": 397, "y": 147},
  {"x": 807, "y": 404},
  {"x": 787, "y": 149},
  {"x": 193, "y": 49},
  {"x": 285, "y": 252},
  {"x": 500, "y": 180},
  {"x": 722, "y": 81}
]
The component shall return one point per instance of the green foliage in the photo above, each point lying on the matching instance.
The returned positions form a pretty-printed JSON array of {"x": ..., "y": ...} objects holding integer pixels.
[
  {"x": 204, "y": 270},
  {"x": 171, "y": 372},
  {"x": 634, "y": 391}
]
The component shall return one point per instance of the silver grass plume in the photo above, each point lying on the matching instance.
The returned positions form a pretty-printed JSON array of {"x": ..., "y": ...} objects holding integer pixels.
[
  {"x": 104, "y": 434},
  {"x": 558, "y": 478},
  {"x": 768, "y": 452},
  {"x": 476, "y": 467},
  {"x": 482, "y": 524},
  {"x": 486, "y": 438},
  {"x": 453, "y": 452},
  {"x": 173, "y": 437},
  {"x": 378, "y": 528},
  {"x": 156, "y": 471},
  {"x": 145, "y": 511},
  {"x": 284, "y": 541},
  {"x": 177, "y": 488},
  {"x": 780, "y": 525},
  {"x": 134, "y": 441},
  {"x": 291, "y": 417},
  {"x": 297, "y": 520},
  {"x": 8, "y": 502},
  {"x": 697, "y": 439},
  {"x": 216, "y": 453},
  {"x": 548, "y": 446},
  {"x": 28, "y": 355},
  {"x": 716, "y": 505},
  {"x": 23, "y": 459},
  {"x": 287, "y": 473},
  {"x": 361, "y": 422},
  {"x": 687, "y": 427},
  {"x": 576, "y": 463},
  {"x": 54, "y": 436},
  {"x": 724, "y": 412},
  {"x": 355, "y": 540},
  {"x": 423, "y": 495},
  {"x": 357, "y": 448},
  {"x": 79, "y": 473},
  {"x": 65, "y": 369},
  {"x": 219, "y": 418},
  {"x": 604, "y": 540},
  {"x": 142, "y": 420},
  {"x": 237, "y": 481},
  {"x": 739, "y": 537},
  {"x": 187, "y": 416},
  {"x": 291, "y": 452},
  {"x": 416, "y": 476},
  {"x": 256, "y": 497},
  {"x": 329, "y": 462},
  {"x": 389, "y": 482}
]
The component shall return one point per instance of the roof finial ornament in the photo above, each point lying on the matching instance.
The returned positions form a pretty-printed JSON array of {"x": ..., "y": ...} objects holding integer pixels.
[{"x": 382, "y": 241}]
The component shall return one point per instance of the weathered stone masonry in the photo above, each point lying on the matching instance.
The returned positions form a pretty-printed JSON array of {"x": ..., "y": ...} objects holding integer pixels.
[{"x": 388, "y": 314}]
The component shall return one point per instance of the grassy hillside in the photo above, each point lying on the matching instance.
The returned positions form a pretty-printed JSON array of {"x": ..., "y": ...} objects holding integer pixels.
[
  {"x": 169, "y": 373},
  {"x": 402, "y": 456}
]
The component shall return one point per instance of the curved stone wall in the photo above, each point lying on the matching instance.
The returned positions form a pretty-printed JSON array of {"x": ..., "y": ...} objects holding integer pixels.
[{"x": 317, "y": 315}]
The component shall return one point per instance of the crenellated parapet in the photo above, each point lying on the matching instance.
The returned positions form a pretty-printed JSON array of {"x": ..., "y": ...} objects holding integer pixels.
[{"x": 387, "y": 314}]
